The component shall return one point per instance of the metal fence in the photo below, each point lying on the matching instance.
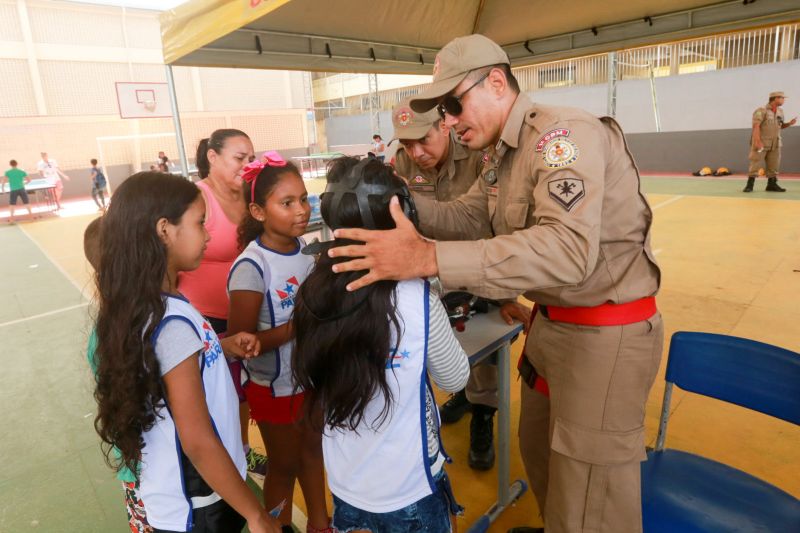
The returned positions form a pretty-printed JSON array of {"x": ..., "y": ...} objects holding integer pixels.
[{"x": 731, "y": 50}]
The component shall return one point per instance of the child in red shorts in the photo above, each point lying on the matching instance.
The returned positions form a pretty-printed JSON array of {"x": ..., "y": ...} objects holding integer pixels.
[{"x": 262, "y": 285}]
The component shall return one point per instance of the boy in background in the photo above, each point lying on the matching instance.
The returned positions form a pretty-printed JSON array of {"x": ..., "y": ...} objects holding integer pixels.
[
  {"x": 17, "y": 179},
  {"x": 99, "y": 185}
]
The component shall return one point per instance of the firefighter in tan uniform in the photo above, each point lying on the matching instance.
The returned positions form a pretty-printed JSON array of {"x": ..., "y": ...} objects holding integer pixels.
[
  {"x": 435, "y": 165},
  {"x": 572, "y": 230},
  {"x": 438, "y": 167},
  {"x": 766, "y": 143}
]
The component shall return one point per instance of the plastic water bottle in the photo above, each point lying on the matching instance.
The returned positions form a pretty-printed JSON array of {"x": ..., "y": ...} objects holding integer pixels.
[{"x": 314, "y": 202}]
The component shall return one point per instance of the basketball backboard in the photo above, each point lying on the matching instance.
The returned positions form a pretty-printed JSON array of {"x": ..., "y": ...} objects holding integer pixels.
[{"x": 143, "y": 100}]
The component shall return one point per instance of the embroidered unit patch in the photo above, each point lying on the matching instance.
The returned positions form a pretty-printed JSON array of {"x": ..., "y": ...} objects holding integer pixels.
[
  {"x": 559, "y": 152},
  {"x": 419, "y": 180},
  {"x": 566, "y": 191},
  {"x": 549, "y": 136},
  {"x": 404, "y": 117}
]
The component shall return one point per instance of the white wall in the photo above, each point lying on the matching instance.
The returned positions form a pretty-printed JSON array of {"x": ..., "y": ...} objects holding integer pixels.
[{"x": 719, "y": 100}]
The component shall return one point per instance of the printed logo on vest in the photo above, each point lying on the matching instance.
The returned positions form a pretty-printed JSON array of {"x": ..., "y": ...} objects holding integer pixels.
[
  {"x": 566, "y": 191},
  {"x": 394, "y": 360},
  {"x": 212, "y": 350},
  {"x": 287, "y": 294}
]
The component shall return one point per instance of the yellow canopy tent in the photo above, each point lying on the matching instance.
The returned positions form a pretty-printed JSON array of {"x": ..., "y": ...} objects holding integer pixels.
[{"x": 403, "y": 36}]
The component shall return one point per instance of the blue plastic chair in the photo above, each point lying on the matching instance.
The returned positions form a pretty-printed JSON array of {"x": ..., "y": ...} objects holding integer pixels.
[{"x": 686, "y": 493}]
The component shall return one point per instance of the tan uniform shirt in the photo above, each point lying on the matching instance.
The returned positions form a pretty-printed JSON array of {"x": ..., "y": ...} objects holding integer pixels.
[
  {"x": 454, "y": 177},
  {"x": 571, "y": 223},
  {"x": 771, "y": 124}
]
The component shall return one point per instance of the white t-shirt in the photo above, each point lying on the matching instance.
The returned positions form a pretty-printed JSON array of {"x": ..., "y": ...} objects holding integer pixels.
[
  {"x": 49, "y": 169},
  {"x": 170, "y": 486}
]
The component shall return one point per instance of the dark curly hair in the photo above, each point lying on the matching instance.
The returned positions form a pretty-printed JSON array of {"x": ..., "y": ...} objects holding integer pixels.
[
  {"x": 342, "y": 339},
  {"x": 133, "y": 263},
  {"x": 250, "y": 228}
]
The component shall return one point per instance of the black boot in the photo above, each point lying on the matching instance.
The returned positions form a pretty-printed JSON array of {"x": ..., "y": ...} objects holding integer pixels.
[
  {"x": 772, "y": 185},
  {"x": 454, "y": 408},
  {"x": 481, "y": 437},
  {"x": 526, "y": 529},
  {"x": 750, "y": 182}
]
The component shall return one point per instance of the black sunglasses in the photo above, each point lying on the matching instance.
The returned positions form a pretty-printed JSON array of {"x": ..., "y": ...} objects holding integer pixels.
[{"x": 451, "y": 104}]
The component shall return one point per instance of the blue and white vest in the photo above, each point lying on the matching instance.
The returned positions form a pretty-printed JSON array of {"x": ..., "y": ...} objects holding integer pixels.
[
  {"x": 170, "y": 486},
  {"x": 283, "y": 274},
  {"x": 357, "y": 463}
]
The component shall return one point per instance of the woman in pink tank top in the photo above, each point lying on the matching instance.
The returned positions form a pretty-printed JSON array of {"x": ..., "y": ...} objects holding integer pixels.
[{"x": 220, "y": 160}]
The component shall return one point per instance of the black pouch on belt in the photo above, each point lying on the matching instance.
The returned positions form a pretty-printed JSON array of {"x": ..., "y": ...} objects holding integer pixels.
[{"x": 526, "y": 371}]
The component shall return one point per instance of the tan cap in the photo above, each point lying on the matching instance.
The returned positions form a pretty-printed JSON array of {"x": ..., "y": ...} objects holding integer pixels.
[
  {"x": 454, "y": 62},
  {"x": 776, "y": 94},
  {"x": 410, "y": 125}
]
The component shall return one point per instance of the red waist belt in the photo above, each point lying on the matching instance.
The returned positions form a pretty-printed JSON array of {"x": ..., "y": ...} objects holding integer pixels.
[
  {"x": 605, "y": 314},
  {"x": 601, "y": 315}
]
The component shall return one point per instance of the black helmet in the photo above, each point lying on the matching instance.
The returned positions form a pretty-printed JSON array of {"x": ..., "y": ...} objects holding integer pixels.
[{"x": 370, "y": 184}]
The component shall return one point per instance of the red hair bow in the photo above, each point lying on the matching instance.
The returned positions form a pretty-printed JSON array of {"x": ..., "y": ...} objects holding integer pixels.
[{"x": 252, "y": 170}]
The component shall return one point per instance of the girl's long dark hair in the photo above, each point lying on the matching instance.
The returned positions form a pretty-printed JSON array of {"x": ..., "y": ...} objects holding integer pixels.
[
  {"x": 343, "y": 339},
  {"x": 133, "y": 263},
  {"x": 250, "y": 228}
]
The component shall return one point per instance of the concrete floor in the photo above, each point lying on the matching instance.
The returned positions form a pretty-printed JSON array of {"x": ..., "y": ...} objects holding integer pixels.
[{"x": 730, "y": 264}]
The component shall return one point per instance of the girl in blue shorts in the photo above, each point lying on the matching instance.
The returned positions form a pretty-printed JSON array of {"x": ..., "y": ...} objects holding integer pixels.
[{"x": 368, "y": 354}]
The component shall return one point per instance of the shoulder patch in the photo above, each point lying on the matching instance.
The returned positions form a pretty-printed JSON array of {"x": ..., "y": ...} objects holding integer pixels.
[
  {"x": 566, "y": 191},
  {"x": 559, "y": 152},
  {"x": 549, "y": 136}
]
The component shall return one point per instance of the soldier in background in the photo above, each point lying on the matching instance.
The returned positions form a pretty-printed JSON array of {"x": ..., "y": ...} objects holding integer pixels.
[
  {"x": 766, "y": 143},
  {"x": 438, "y": 167}
]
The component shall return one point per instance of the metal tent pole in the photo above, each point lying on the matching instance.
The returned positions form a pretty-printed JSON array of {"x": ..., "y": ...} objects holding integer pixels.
[
  {"x": 654, "y": 96},
  {"x": 176, "y": 120},
  {"x": 611, "y": 106}
]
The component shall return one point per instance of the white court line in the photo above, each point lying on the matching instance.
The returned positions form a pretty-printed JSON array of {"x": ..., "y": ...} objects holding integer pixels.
[
  {"x": 41, "y": 315},
  {"x": 667, "y": 202},
  {"x": 85, "y": 294}
]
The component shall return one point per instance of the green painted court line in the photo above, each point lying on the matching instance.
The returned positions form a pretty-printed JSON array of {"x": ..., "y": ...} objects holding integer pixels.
[{"x": 726, "y": 188}]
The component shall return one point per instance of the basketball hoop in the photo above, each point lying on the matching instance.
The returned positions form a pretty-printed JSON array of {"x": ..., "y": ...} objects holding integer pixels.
[{"x": 150, "y": 105}]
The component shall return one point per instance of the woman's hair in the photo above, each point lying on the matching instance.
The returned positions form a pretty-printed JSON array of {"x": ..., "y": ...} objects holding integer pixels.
[
  {"x": 133, "y": 263},
  {"x": 216, "y": 142},
  {"x": 250, "y": 228},
  {"x": 343, "y": 339}
]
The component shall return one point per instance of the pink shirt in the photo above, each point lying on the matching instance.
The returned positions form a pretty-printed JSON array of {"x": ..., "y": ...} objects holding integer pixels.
[{"x": 206, "y": 287}]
